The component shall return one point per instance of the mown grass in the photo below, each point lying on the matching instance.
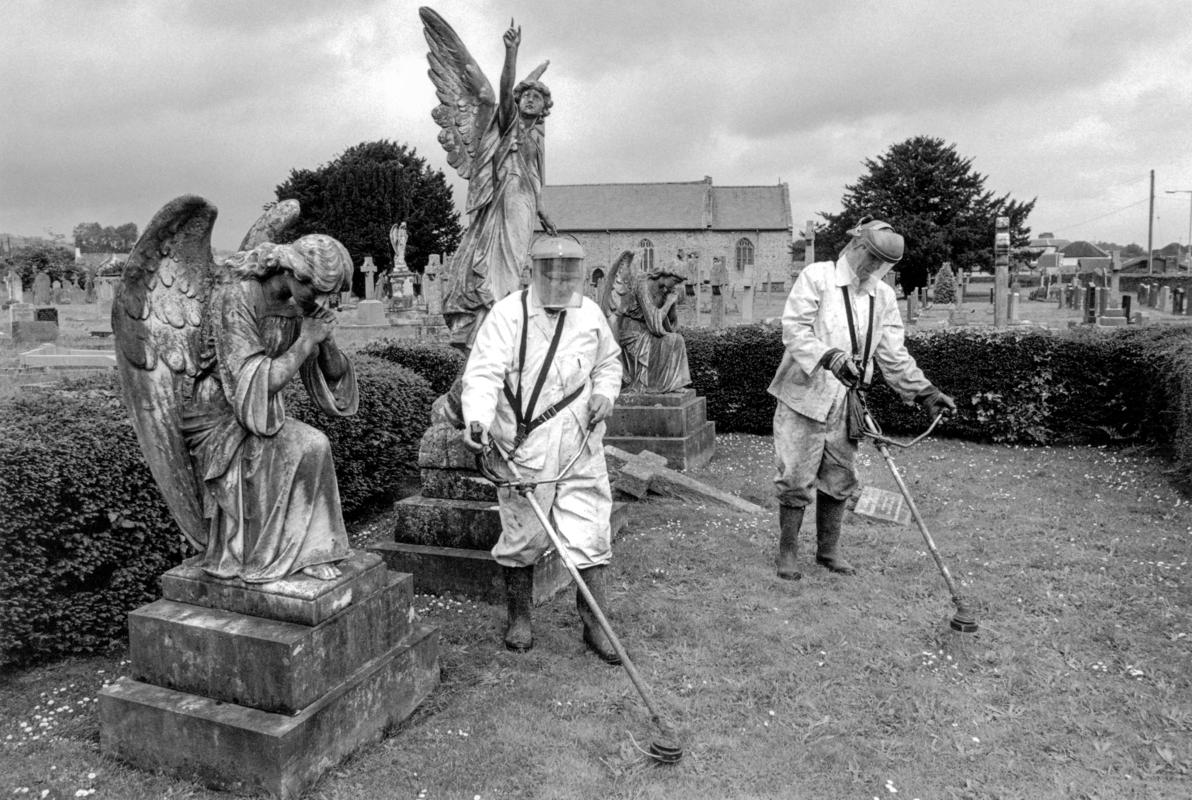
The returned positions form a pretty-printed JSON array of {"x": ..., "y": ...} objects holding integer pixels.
[{"x": 1076, "y": 687}]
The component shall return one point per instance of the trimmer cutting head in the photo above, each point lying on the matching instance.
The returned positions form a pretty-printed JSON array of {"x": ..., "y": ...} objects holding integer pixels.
[
  {"x": 964, "y": 620},
  {"x": 665, "y": 749}
]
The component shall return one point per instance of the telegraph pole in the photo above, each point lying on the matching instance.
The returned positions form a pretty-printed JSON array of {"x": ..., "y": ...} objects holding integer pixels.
[
  {"x": 1150, "y": 231},
  {"x": 1189, "y": 193}
]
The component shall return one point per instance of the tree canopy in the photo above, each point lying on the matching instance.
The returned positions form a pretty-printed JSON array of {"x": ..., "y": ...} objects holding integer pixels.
[
  {"x": 91, "y": 237},
  {"x": 358, "y": 196},
  {"x": 55, "y": 260},
  {"x": 934, "y": 198}
]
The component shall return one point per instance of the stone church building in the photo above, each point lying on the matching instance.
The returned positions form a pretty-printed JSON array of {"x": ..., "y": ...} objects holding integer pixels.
[{"x": 748, "y": 226}]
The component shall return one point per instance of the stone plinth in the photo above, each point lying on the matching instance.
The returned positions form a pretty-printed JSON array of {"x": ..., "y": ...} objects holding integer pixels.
[
  {"x": 673, "y": 425},
  {"x": 443, "y": 535},
  {"x": 262, "y": 688}
]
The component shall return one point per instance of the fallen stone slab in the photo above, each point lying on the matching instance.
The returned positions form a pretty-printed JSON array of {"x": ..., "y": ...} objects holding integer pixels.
[{"x": 651, "y": 469}]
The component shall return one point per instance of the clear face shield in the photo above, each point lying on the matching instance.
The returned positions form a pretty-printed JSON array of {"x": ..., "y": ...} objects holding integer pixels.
[
  {"x": 558, "y": 272},
  {"x": 558, "y": 282}
]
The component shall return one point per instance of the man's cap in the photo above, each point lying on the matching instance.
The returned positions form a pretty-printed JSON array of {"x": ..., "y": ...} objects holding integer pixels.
[{"x": 879, "y": 238}]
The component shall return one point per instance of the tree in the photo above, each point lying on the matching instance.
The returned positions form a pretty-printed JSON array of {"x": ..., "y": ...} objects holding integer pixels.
[
  {"x": 91, "y": 237},
  {"x": 934, "y": 198},
  {"x": 363, "y": 192},
  {"x": 54, "y": 260},
  {"x": 945, "y": 286}
]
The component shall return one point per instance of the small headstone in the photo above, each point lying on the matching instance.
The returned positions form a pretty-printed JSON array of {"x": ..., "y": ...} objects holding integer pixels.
[
  {"x": 432, "y": 286},
  {"x": 42, "y": 290},
  {"x": 1163, "y": 303}
]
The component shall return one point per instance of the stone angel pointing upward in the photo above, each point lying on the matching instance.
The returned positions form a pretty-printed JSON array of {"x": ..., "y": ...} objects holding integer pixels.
[
  {"x": 496, "y": 144},
  {"x": 204, "y": 352}
]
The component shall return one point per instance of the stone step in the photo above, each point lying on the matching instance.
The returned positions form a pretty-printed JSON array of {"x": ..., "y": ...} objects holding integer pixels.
[
  {"x": 681, "y": 453},
  {"x": 249, "y": 751},
  {"x": 266, "y": 664},
  {"x": 440, "y": 522},
  {"x": 300, "y": 599},
  {"x": 457, "y": 484},
  {"x": 666, "y": 421}
]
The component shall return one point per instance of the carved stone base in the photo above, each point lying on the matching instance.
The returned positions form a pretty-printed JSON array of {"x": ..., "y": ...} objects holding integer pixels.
[
  {"x": 262, "y": 688},
  {"x": 673, "y": 425}
]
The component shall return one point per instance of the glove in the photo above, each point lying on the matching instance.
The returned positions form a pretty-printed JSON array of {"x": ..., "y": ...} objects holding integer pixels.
[
  {"x": 475, "y": 437},
  {"x": 600, "y": 408},
  {"x": 935, "y": 402},
  {"x": 839, "y": 364}
]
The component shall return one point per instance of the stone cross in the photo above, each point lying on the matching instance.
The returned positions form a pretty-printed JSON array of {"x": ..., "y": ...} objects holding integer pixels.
[
  {"x": 432, "y": 285},
  {"x": 369, "y": 269}
]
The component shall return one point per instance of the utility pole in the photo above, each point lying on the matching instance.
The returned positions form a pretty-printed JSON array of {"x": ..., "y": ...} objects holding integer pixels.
[
  {"x": 1189, "y": 193},
  {"x": 1150, "y": 231}
]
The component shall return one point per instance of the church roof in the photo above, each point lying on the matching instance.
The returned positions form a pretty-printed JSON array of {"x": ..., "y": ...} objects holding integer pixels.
[{"x": 695, "y": 205}]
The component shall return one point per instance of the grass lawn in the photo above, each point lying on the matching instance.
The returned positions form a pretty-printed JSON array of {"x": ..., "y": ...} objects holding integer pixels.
[{"x": 1077, "y": 686}]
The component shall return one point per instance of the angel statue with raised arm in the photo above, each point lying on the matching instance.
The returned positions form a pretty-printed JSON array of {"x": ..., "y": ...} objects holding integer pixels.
[
  {"x": 496, "y": 144},
  {"x": 204, "y": 351}
]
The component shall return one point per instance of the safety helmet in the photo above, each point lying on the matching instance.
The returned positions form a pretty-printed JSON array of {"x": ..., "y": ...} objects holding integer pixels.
[{"x": 557, "y": 271}]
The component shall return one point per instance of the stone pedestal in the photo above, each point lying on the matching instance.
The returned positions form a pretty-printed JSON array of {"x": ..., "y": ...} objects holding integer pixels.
[
  {"x": 443, "y": 535},
  {"x": 674, "y": 425},
  {"x": 262, "y": 688}
]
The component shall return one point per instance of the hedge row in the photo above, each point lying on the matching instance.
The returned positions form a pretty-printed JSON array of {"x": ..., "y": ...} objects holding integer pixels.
[{"x": 85, "y": 534}]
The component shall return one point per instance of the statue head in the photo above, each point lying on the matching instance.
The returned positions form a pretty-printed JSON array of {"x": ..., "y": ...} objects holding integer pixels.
[
  {"x": 532, "y": 98},
  {"x": 316, "y": 259}
]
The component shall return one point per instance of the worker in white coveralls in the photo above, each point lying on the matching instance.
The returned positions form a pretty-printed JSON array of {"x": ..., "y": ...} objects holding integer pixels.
[
  {"x": 840, "y": 317},
  {"x": 544, "y": 369}
]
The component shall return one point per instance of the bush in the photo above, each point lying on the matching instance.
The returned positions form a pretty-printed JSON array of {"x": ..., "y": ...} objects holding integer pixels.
[
  {"x": 438, "y": 363},
  {"x": 85, "y": 533},
  {"x": 945, "y": 286},
  {"x": 732, "y": 368},
  {"x": 378, "y": 447}
]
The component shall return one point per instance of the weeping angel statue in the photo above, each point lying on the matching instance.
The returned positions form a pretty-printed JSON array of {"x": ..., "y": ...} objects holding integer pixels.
[
  {"x": 204, "y": 351},
  {"x": 496, "y": 144}
]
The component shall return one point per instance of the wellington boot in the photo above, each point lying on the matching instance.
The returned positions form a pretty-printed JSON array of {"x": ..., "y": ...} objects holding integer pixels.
[
  {"x": 594, "y": 636},
  {"x": 790, "y": 519},
  {"x": 829, "y": 514},
  {"x": 519, "y": 594}
]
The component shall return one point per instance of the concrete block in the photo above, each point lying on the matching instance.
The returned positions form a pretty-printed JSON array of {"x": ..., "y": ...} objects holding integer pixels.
[
  {"x": 260, "y": 663},
  {"x": 457, "y": 484},
  {"x": 473, "y": 572},
  {"x": 439, "y": 522},
  {"x": 634, "y": 479},
  {"x": 246, "y": 750},
  {"x": 688, "y": 452},
  {"x": 666, "y": 421},
  {"x": 300, "y": 599}
]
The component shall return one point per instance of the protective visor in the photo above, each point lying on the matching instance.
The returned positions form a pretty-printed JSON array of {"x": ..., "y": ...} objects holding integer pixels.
[{"x": 558, "y": 282}]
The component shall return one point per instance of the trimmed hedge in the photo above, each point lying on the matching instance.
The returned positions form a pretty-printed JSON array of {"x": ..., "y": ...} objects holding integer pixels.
[
  {"x": 438, "y": 363},
  {"x": 85, "y": 534}
]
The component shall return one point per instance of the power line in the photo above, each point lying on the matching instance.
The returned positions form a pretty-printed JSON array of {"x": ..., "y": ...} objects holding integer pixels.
[{"x": 1103, "y": 216}]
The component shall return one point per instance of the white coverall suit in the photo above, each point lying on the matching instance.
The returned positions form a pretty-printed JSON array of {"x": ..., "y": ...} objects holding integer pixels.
[
  {"x": 812, "y": 448},
  {"x": 587, "y": 355}
]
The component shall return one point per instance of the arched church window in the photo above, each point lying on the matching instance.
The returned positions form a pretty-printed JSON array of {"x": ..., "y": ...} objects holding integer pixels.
[
  {"x": 744, "y": 254},
  {"x": 647, "y": 248}
]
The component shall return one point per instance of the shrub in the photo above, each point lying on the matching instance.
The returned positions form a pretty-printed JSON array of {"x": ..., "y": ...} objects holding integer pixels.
[
  {"x": 85, "y": 534},
  {"x": 438, "y": 363},
  {"x": 945, "y": 286},
  {"x": 732, "y": 368}
]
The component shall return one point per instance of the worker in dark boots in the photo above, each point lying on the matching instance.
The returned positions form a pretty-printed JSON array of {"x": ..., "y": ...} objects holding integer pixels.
[
  {"x": 544, "y": 369},
  {"x": 840, "y": 318}
]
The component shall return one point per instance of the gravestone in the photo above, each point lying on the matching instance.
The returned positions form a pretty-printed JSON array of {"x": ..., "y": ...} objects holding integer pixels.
[
  {"x": 432, "y": 286},
  {"x": 1163, "y": 302},
  {"x": 747, "y": 295},
  {"x": 370, "y": 311},
  {"x": 41, "y": 289},
  {"x": 719, "y": 282},
  {"x": 12, "y": 283}
]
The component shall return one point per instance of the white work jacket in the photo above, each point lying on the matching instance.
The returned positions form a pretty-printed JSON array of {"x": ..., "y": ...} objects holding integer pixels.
[
  {"x": 587, "y": 356},
  {"x": 814, "y": 322}
]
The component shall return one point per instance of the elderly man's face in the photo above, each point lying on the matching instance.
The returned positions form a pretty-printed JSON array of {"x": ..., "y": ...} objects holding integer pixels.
[{"x": 868, "y": 264}]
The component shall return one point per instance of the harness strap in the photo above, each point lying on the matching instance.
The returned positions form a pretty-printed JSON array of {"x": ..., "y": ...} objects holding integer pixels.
[
  {"x": 852, "y": 330},
  {"x": 525, "y": 419}
]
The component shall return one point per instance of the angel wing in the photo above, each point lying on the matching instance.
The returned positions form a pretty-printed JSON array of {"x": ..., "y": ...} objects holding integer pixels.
[
  {"x": 157, "y": 313},
  {"x": 616, "y": 285},
  {"x": 278, "y": 219},
  {"x": 466, "y": 98}
]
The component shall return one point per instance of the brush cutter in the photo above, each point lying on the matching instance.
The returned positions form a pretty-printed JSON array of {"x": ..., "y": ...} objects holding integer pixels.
[
  {"x": 665, "y": 747},
  {"x": 964, "y": 620}
]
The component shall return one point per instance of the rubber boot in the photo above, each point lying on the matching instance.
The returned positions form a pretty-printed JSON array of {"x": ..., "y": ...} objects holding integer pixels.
[
  {"x": 790, "y": 519},
  {"x": 829, "y": 513},
  {"x": 594, "y": 636},
  {"x": 519, "y": 594}
]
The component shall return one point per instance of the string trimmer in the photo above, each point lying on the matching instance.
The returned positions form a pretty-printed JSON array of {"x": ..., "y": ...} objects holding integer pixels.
[
  {"x": 964, "y": 620},
  {"x": 665, "y": 747}
]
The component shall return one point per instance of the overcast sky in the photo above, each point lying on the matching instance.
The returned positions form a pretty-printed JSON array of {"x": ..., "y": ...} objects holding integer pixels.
[{"x": 110, "y": 109}]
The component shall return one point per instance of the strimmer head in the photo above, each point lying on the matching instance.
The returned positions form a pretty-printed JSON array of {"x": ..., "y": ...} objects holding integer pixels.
[{"x": 964, "y": 620}]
